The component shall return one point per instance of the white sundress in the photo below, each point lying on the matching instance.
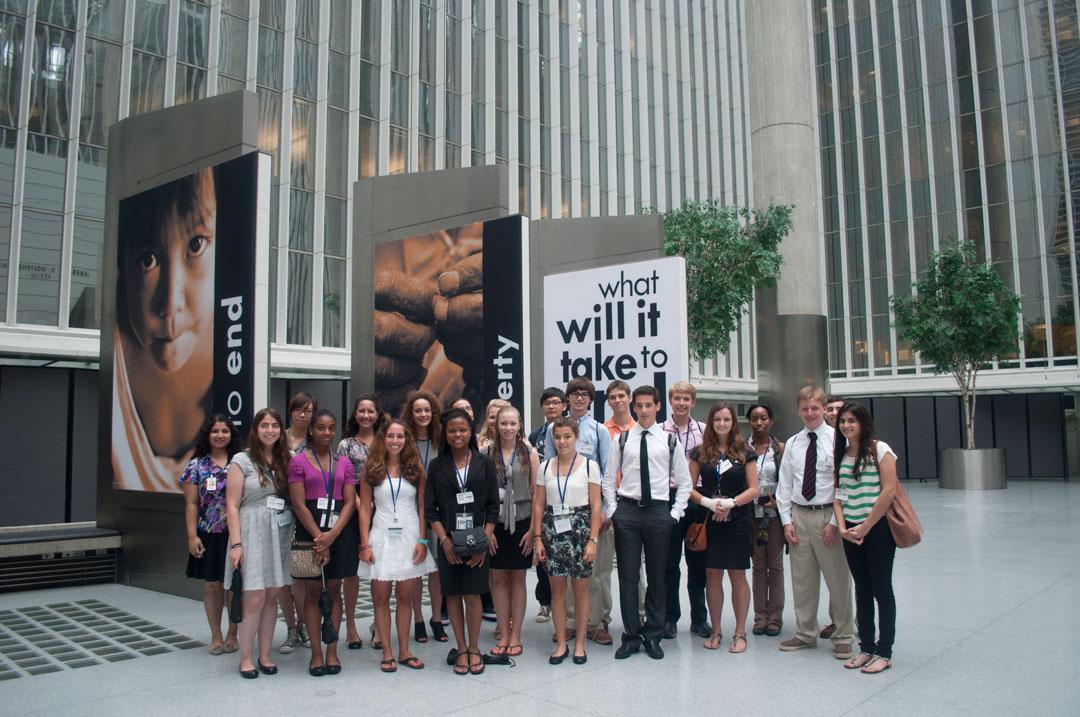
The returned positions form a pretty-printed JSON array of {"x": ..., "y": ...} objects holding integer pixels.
[{"x": 393, "y": 556}]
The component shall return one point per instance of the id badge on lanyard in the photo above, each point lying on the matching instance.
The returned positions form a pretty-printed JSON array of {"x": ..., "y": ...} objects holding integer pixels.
[{"x": 463, "y": 521}]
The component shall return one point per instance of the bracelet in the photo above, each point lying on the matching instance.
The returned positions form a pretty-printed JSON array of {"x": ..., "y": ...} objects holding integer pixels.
[
  {"x": 444, "y": 539},
  {"x": 364, "y": 547},
  {"x": 235, "y": 545},
  {"x": 422, "y": 541}
]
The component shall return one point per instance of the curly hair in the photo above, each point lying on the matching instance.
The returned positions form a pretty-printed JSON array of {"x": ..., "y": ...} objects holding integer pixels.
[
  {"x": 434, "y": 431},
  {"x": 710, "y": 440},
  {"x": 279, "y": 453},
  {"x": 352, "y": 427},
  {"x": 202, "y": 438},
  {"x": 411, "y": 468}
]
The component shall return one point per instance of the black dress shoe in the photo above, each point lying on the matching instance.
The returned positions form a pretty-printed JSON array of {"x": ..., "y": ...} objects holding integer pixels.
[
  {"x": 557, "y": 659},
  {"x": 333, "y": 669},
  {"x": 249, "y": 674},
  {"x": 701, "y": 629},
  {"x": 581, "y": 659},
  {"x": 758, "y": 630},
  {"x": 316, "y": 671},
  {"x": 669, "y": 630},
  {"x": 267, "y": 669},
  {"x": 626, "y": 649},
  {"x": 653, "y": 649}
]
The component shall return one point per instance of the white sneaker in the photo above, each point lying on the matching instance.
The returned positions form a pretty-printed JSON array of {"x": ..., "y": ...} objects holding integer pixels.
[
  {"x": 291, "y": 641},
  {"x": 544, "y": 615}
]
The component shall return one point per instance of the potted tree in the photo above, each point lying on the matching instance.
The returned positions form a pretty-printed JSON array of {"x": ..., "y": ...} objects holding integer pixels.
[{"x": 961, "y": 318}]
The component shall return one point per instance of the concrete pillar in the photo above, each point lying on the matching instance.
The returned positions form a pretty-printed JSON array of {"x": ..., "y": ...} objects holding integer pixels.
[{"x": 791, "y": 329}]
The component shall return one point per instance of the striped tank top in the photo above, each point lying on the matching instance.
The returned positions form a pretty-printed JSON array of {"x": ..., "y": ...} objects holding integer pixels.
[{"x": 860, "y": 492}]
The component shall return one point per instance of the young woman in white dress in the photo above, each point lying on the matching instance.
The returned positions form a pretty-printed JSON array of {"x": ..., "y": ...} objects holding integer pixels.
[{"x": 393, "y": 550}]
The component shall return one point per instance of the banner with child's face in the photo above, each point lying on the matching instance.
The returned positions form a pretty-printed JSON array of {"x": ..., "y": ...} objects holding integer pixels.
[
  {"x": 450, "y": 315},
  {"x": 184, "y": 346}
]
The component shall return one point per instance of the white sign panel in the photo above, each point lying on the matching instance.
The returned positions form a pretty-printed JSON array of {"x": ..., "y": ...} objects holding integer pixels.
[{"x": 623, "y": 322}]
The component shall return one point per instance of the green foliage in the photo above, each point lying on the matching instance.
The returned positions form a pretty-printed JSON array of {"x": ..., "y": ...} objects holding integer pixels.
[
  {"x": 962, "y": 317},
  {"x": 729, "y": 252}
]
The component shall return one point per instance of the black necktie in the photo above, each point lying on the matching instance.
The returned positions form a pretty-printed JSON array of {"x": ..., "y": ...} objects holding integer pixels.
[
  {"x": 809, "y": 473},
  {"x": 643, "y": 461}
]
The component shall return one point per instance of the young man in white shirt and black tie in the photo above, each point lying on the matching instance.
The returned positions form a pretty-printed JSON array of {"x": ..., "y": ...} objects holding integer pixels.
[
  {"x": 804, "y": 493},
  {"x": 642, "y": 517}
]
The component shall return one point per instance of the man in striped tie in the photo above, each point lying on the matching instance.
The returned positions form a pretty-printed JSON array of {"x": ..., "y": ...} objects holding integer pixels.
[{"x": 804, "y": 496}]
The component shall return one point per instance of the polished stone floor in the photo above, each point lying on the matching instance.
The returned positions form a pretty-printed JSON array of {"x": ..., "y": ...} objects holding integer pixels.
[{"x": 987, "y": 605}]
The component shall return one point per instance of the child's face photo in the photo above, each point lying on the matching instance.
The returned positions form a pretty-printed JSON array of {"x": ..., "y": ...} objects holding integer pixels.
[{"x": 169, "y": 279}]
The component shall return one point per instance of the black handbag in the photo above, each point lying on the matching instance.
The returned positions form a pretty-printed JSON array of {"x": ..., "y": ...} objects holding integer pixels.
[
  {"x": 236, "y": 605},
  {"x": 469, "y": 542}
]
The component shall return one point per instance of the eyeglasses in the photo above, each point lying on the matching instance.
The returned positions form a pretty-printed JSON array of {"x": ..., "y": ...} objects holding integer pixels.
[
  {"x": 552, "y": 403},
  {"x": 580, "y": 394}
]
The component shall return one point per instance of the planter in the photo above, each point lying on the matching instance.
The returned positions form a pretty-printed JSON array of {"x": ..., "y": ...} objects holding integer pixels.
[{"x": 977, "y": 469}]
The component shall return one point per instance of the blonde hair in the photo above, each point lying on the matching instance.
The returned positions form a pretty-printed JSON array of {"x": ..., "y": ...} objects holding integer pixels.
[
  {"x": 682, "y": 387},
  {"x": 810, "y": 393}
]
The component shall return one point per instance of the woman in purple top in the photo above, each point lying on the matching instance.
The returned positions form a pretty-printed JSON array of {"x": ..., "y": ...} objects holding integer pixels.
[
  {"x": 322, "y": 488},
  {"x": 203, "y": 483}
]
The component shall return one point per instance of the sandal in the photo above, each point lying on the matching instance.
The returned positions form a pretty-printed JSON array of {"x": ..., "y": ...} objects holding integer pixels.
[
  {"x": 499, "y": 650},
  {"x": 514, "y": 650},
  {"x": 374, "y": 642},
  {"x": 437, "y": 630},
  {"x": 217, "y": 649},
  {"x": 860, "y": 660},
  {"x": 420, "y": 631},
  {"x": 229, "y": 647},
  {"x": 412, "y": 662},
  {"x": 877, "y": 661},
  {"x": 460, "y": 669},
  {"x": 388, "y": 665},
  {"x": 712, "y": 643},
  {"x": 475, "y": 669},
  {"x": 735, "y": 641}
]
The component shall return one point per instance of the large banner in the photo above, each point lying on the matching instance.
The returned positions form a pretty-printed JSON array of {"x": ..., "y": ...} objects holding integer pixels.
[
  {"x": 188, "y": 341},
  {"x": 451, "y": 313},
  {"x": 626, "y": 322}
]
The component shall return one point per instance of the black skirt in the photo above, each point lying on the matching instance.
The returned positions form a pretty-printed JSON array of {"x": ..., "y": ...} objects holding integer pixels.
[
  {"x": 461, "y": 579},
  {"x": 731, "y": 542},
  {"x": 211, "y": 566},
  {"x": 344, "y": 551},
  {"x": 508, "y": 556}
]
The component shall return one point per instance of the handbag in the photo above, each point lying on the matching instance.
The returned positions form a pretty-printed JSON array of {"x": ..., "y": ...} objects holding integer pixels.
[
  {"x": 236, "y": 605},
  {"x": 903, "y": 522},
  {"x": 469, "y": 542},
  {"x": 697, "y": 537},
  {"x": 303, "y": 560}
]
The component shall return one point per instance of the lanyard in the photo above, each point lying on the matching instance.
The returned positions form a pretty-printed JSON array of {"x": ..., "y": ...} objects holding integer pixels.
[
  {"x": 686, "y": 440},
  {"x": 328, "y": 478},
  {"x": 393, "y": 493},
  {"x": 462, "y": 474},
  {"x": 563, "y": 486},
  {"x": 513, "y": 456}
]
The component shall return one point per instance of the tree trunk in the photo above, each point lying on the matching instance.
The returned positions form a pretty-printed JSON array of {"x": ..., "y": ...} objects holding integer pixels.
[{"x": 970, "y": 393}]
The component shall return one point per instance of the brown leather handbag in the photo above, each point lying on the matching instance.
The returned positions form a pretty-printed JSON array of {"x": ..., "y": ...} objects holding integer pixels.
[
  {"x": 697, "y": 537},
  {"x": 903, "y": 522}
]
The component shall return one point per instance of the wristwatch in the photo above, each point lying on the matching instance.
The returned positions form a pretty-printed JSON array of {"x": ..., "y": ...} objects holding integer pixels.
[{"x": 594, "y": 541}]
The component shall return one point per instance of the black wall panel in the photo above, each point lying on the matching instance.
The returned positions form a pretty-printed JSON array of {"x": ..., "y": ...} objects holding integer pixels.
[
  {"x": 84, "y": 412},
  {"x": 1046, "y": 435},
  {"x": 920, "y": 423},
  {"x": 1010, "y": 431},
  {"x": 948, "y": 423},
  {"x": 888, "y": 415}
]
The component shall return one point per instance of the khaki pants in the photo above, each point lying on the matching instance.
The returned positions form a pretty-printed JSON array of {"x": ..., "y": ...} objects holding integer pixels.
[
  {"x": 769, "y": 577},
  {"x": 810, "y": 561}
]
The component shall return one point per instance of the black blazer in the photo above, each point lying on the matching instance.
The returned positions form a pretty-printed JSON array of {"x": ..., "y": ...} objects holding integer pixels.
[{"x": 440, "y": 500}]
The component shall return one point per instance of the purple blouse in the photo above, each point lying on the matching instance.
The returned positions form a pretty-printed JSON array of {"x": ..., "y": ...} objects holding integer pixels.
[
  {"x": 302, "y": 470},
  {"x": 212, "y": 518}
]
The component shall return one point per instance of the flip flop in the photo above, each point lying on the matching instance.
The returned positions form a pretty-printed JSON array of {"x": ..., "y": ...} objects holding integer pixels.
[
  {"x": 413, "y": 663},
  {"x": 735, "y": 641},
  {"x": 216, "y": 649},
  {"x": 389, "y": 665},
  {"x": 476, "y": 669},
  {"x": 499, "y": 650},
  {"x": 854, "y": 664},
  {"x": 866, "y": 671},
  {"x": 707, "y": 646},
  {"x": 514, "y": 650},
  {"x": 460, "y": 669}
]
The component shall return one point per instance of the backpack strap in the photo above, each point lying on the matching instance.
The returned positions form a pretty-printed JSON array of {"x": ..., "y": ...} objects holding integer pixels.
[{"x": 672, "y": 443}]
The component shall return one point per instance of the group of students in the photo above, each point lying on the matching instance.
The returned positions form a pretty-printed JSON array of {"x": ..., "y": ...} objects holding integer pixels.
[{"x": 473, "y": 507}]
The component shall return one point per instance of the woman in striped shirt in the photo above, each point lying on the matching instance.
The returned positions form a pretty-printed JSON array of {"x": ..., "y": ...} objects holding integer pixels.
[{"x": 865, "y": 485}]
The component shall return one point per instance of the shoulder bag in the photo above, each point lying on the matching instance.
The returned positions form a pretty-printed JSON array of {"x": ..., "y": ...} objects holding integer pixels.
[
  {"x": 697, "y": 534},
  {"x": 469, "y": 542},
  {"x": 903, "y": 521}
]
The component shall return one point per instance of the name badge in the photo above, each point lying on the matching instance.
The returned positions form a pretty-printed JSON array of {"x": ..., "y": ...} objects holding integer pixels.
[
  {"x": 502, "y": 494},
  {"x": 323, "y": 503},
  {"x": 395, "y": 533},
  {"x": 211, "y": 483},
  {"x": 275, "y": 503},
  {"x": 465, "y": 497},
  {"x": 333, "y": 519},
  {"x": 842, "y": 495},
  {"x": 463, "y": 521},
  {"x": 560, "y": 509},
  {"x": 562, "y": 525},
  {"x": 724, "y": 467},
  {"x": 284, "y": 518}
]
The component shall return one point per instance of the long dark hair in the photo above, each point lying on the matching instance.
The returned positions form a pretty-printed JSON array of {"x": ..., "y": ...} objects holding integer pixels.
[
  {"x": 434, "y": 431},
  {"x": 867, "y": 437},
  {"x": 352, "y": 427},
  {"x": 411, "y": 468},
  {"x": 444, "y": 445},
  {"x": 202, "y": 438},
  {"x": 710, "y": 439},
  {"x": 321, "y": 413},
  {"x": 278, "y": 460}
]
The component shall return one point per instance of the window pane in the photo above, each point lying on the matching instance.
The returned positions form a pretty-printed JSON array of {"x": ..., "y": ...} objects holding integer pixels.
[
  {"x": 399, "y": 149},
  {"x": 369, "y": 90},
  {"x": 370, "y": 30},
  {"x": 271, "y": 53},
  {"x": 190, "y": 84},
  {"x": 303, "y": 145},
  {"x": 5, "y": 243},
  {"x": 90, "y": 170},
  {"x": 232, "y": 55},
  {"x": 100, "y": 97},
  {"x": 298, "y": 318},
  {"x": 46, "y": 171},
  {"x": 338, "y": 85},
  {"x": 337, "y": 152},
  {"x": 307, "y": 20},
  {"x": 39, "y": 269},
  {"x": 85, "y": 252},
  {"x": 369, "y": 148},
  {"x": 57, "y": 12},
  {"x": 194, "y": 33},
  {"x": 11, "y": 39},
  {"x": 105, "y": 19},
  {"x": 50, "y": 90},
  {"x": 333, "y": 302},
  {"x": 270, "y": 126},
  {"x": 335, "y": 227},
  {"x": 340, "y": 25},
  {"x": 301, "y": 220},
  {"x": 147, "y": 83},
  {"x": 305, "y": 69},
  {"x": 152, "y": 25}
]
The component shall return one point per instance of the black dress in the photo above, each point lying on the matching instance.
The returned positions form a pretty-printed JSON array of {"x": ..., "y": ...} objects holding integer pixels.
[
  {"x": 731, "y": 542},
  {"x": 441, "y": 505}
]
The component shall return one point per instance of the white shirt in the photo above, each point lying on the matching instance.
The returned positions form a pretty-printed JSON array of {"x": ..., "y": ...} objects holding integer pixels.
[
  {"x": 660, "y": 471},
  {"x": 789, "y": 485},
  {"x": 584, "y": 472}
]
